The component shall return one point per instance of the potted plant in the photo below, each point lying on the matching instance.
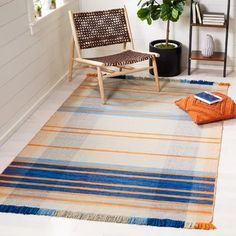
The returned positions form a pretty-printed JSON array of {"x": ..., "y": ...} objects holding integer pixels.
[
  {"x": 38, "y": 8},
  {"x": 169, "y": 63},
  {"x": 53, "y": 4}
]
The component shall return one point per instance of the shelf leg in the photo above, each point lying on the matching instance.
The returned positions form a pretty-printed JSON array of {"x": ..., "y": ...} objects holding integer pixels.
[
  {"x": 226, "y": 38},
  {"x": 189, "y": 66},
  {"x": 190, "y": 40}
]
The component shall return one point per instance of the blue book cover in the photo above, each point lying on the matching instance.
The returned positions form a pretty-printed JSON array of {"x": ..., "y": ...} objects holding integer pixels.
[{"x": 207, "y": 97}]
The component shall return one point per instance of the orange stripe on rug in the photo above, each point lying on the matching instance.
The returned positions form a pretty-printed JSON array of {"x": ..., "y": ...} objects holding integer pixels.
[
  {"x": 131, "y": 132},
  {"x": 91, "y": 132},
  {"x": 124, "y": 152}
]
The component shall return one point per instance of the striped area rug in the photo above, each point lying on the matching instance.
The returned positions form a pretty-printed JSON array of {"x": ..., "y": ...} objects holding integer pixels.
[{"x": 138, "y": 159}]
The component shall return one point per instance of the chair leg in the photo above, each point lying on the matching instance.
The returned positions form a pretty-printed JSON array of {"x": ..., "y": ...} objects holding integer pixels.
[
  {"x": 155, "y": 70},
  {"x": 100, "y": 82},
  {"x": 71, "y": 63}
]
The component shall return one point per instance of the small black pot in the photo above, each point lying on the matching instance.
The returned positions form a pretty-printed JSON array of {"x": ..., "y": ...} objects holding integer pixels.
[{"x": 169, "y": 62}]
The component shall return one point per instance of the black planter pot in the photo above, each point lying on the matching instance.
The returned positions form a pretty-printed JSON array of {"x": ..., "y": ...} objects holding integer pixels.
[{"x": 169, "y": 62}]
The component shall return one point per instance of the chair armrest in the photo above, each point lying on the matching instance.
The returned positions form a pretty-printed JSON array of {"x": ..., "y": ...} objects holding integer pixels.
[{"x": 89, "y": 62}]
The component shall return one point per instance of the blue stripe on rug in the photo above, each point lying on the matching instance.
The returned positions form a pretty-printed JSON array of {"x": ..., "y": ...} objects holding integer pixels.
[
  {"x": 89, "y": 110},
  {"x": 98, "y": 170},
  {"x": 104, "y": 109},
  {"x": 160, "y": 183},
  {"x": 107, "y": 187}
]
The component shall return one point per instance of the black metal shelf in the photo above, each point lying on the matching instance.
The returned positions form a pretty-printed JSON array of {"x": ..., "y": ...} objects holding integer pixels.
[{"x": 217, "y": 56}]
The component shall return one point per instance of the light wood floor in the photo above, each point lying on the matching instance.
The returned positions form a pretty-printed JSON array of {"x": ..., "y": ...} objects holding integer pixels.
[{"x": 225, "y": 209}]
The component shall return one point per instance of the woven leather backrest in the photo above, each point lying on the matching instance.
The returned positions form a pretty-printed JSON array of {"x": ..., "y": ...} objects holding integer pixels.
[{"x": 101, "y": 28}]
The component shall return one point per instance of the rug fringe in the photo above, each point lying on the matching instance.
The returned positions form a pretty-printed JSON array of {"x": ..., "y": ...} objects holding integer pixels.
[
  {"x": 199, "y": 225},
  {"x": 92, "y": 217},
  {"x": 224, "y": 84},
  {"x": 106, "y": 218},
  {"x": 200, "y": 82},
  {"x": 122, "y": 219}
]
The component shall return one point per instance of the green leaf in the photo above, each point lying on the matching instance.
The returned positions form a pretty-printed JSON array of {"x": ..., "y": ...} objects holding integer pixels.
[
  {"x": 143, "y": 13},
  {"x": 179, "y": 7},
  {"x": 155, "y": 12},
  {"x": 174, "y": 14},
  {"x": 149, "y": 20},
  {"x": 165, "y": 12}
]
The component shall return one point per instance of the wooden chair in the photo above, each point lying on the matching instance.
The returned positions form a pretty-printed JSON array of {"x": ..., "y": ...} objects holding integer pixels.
[{"x": 103, "y": 28}]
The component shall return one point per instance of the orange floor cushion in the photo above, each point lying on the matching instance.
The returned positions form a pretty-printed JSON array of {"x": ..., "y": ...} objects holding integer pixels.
[{"x": 203, "y": 113}]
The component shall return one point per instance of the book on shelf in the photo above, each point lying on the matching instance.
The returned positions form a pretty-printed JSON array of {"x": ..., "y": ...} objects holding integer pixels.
[
  {"x": 208, "y": 18},
  {"x": 214, "y": 19},
  {"x": 194, "y": 14},
  {"x": 199, "y": 14},
  {"x": 214, "y": 14},
  {"x": 213, "y": 23}
]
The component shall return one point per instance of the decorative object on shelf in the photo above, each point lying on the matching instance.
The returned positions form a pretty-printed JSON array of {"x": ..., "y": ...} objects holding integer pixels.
[
  {"x": 53, "y": 4},
  {"x": 169, "y": 50},
  {"x": 38, "y": 11},
  {"x": 207, "y": 46},
  {"x": 37, "y": 8}
]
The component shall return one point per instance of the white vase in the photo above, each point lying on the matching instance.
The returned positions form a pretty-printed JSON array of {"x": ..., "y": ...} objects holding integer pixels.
[{"x": 208, "y": 46}]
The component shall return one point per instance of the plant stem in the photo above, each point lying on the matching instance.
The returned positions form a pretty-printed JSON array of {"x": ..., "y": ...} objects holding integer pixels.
[{"x": 167, "y": 32}]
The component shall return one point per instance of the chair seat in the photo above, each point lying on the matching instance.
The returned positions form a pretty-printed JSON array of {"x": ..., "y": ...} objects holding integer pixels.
[{"x": 123, "y": 58}]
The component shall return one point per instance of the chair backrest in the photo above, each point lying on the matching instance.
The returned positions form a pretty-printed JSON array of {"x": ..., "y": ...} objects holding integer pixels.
[{"x": 101, "y": 28}]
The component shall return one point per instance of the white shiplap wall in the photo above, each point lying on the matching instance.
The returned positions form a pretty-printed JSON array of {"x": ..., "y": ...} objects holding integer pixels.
[
  {"x": 143, "y": 34},
  {"x": 30, "y": 65}
]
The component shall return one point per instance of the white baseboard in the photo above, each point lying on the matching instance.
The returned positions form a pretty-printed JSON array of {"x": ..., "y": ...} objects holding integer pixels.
[{"x": 31, "y": 110}]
